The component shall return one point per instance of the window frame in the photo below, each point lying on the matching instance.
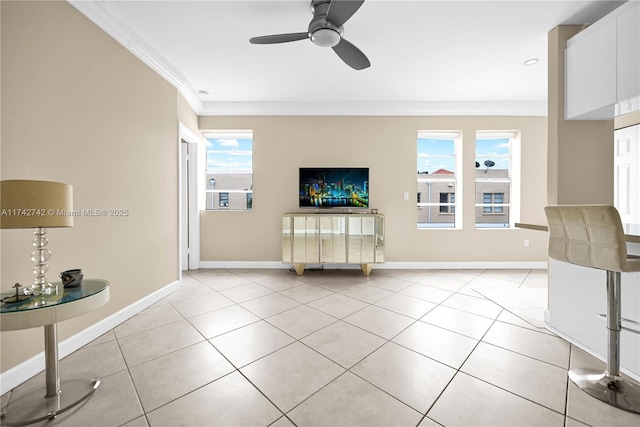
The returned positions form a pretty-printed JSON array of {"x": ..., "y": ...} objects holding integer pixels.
[
  {"x": 514, "y": 180},
  {"x": 210, "y": 201},
  {"x": 455, "y": 207}
]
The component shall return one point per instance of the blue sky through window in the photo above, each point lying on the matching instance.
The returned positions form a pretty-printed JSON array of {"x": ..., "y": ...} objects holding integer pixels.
[
  {"x": 495, "y": 149},
  {"x": 230, "y": 154},
  {"x": 434, "y": 154}
]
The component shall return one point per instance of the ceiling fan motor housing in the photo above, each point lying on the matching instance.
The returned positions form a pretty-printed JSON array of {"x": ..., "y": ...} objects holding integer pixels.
[
  {"x": 322, "y": 32},
  {"x": 325, "y": 30}
]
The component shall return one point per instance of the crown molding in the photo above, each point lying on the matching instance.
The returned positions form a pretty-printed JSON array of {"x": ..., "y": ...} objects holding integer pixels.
[
  {"x": 376, "y": 108},
  {"x": 100, "y": 14}
]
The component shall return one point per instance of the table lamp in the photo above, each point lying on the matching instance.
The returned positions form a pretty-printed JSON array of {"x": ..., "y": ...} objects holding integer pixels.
[{"x": 37, "y": 205}]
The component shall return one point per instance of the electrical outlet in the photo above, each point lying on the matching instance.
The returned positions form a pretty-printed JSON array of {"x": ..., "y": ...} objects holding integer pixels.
[
  {"x": 526, "y": 243},
  {"x": 406, "y": 195}
]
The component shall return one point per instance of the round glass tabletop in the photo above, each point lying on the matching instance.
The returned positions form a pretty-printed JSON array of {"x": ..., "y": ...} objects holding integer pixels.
[{"x": 40, "y": 310}]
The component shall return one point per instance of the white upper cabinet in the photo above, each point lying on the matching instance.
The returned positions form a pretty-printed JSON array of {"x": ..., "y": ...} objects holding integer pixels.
[
  {"x": 602, "y": 65},
  {"x": 591, "y": 74}
]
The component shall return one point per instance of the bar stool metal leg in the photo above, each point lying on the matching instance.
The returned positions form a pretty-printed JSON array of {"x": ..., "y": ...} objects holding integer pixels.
[{"x": 608, "y": 386}]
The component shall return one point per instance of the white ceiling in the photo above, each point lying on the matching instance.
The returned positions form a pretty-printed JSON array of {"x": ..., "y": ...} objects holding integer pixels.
[{"x": 428, "y": 56}]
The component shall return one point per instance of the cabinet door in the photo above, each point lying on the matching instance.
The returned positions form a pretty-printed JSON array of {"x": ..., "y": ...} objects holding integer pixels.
[
  {"x": 305, "y": 239},
  {"x": 368, "y": 242},
  {"x": 333, "y": 239},
  {"x": 361, "y": 239},
  {"x": 354, "y": 240},
  {"x": 590, "y": 73},
  {"x": 379, "y": 238},
  {"x": 286, "y": 239}
]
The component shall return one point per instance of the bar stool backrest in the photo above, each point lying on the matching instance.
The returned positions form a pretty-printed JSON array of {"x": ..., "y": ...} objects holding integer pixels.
[{"x": 587, "y": 235}]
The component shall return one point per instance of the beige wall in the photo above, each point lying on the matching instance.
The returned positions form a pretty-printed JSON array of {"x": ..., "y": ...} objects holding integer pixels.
[
  {"x": 387, "y": 145},
  {"x": 187, "y": 116},
  {"x": 580, "y": 155},
  {"x": 78, "y": 108}
]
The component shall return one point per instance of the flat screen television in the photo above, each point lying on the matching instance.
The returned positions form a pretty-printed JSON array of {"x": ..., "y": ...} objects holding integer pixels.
[{"x": 334, "y": 187}]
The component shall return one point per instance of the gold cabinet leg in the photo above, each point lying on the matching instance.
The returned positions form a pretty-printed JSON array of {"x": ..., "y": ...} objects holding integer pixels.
[
  {"x": 366, "y": 269},
  {"x": 299, "y": 268}
]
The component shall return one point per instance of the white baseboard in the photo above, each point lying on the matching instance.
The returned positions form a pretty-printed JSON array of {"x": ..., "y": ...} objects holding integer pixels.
[
  {"x": 27, "y": 369},
  {"x": 244, "y": 264},
  {"x": 385, "y": 266},
  {"x": 483, "y": 265}
]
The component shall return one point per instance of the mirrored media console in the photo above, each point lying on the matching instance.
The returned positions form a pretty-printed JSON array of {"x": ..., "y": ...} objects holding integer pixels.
[{"x": 333, "y": 239}]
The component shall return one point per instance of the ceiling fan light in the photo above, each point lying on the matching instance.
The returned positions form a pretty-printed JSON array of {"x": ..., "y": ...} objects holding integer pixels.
[{"x": 325, "y": 37}]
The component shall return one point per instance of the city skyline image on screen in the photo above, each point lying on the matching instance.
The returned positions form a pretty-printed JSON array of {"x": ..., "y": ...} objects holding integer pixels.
[{"x": 334, "y": 187}]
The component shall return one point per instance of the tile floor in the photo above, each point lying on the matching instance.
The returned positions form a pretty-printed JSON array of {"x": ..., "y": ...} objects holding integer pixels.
[{"x": 334, "y": 348}]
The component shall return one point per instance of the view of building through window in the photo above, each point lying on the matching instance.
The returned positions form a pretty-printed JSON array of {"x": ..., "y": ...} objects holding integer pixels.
[
  {"x": 437, "y": 164},
  {"x": 496, "y": 159},
  {"x": 493, "y": 179},
  {"x": 229, "y": 170}
]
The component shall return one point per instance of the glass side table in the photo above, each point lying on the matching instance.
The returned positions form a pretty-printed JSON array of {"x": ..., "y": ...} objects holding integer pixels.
[{"x": 47, "y": 311}]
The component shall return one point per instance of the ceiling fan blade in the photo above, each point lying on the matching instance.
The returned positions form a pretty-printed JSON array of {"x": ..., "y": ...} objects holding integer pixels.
[
  {"x": 351, "y": 55},
  {"x": 279, "y": 38},
  {"x": 341, "y": 10}
]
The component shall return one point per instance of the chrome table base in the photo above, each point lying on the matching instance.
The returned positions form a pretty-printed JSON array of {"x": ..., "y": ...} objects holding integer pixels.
[
  {"x": 610, "y": 389},
  {"x": 40, "y": 405},
  {"x": 33, "y": 407}
]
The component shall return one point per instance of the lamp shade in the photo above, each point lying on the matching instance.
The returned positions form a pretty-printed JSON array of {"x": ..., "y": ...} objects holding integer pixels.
[{"x": 30, "y": 204}]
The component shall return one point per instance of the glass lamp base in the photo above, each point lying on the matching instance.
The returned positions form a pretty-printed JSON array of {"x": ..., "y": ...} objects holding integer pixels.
[
  {"x": 41, "y": 289},
  {"x": 40, "y": 256}
]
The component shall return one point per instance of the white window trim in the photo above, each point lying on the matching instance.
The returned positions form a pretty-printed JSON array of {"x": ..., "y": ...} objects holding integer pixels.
[{"x": 229, "y": 134}]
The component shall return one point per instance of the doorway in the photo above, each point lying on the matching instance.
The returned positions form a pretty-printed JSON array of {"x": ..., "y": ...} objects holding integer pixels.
[{"x": 189, "y": 215}]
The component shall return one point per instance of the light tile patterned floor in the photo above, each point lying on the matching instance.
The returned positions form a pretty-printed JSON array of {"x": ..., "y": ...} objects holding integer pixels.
[{"x": 334, "y": 348}]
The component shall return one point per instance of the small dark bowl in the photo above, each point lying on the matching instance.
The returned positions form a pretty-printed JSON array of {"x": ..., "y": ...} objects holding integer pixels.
[{"x": 72, "y": 278}]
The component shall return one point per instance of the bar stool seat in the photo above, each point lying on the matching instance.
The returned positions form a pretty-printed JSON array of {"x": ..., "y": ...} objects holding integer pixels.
[{"x": 593, "y": 236}]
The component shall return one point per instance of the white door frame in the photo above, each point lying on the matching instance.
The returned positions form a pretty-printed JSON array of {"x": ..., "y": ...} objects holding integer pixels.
[{"x": 188, "y": 215}]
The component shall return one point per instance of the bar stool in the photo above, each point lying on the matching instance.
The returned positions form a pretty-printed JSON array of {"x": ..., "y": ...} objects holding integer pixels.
[{"x": 592, "y": 236}]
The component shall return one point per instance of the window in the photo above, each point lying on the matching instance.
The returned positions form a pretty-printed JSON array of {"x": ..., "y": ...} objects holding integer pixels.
[
  {"x": 447, "y": 203},
  {"x": 223, "y": 200},
  {"x": 438, "y": 178},
  {"x": 229, "y": 170},
  {"x": 497, "y": 187},
  {"x": 492, "y": 199}
]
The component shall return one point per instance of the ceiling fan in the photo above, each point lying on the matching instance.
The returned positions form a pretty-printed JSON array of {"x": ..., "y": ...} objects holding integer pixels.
[{"x": 325, "y": 30}]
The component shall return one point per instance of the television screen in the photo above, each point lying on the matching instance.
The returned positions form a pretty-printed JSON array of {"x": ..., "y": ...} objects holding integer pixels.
[{"x": 334, "y": 187}]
